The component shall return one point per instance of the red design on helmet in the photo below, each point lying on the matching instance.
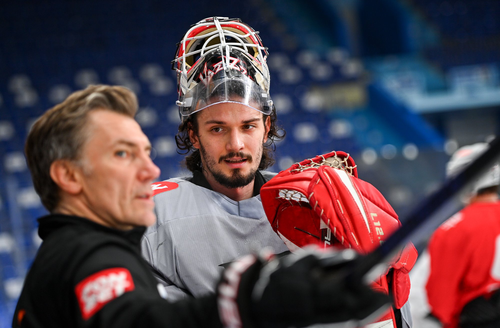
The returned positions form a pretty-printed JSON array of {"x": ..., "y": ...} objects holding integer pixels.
[{"x": 229, "y": 51}]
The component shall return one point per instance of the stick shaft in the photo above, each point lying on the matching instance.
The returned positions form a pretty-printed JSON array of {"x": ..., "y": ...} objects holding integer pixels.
[{"x": 430, "y": 213}]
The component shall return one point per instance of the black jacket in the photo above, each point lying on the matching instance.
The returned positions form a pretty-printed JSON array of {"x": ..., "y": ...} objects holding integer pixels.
[{"x": 88, "y": 275}]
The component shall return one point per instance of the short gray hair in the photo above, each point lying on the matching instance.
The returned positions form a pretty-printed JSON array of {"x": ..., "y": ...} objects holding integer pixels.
[{"x": 60, "y": 133}]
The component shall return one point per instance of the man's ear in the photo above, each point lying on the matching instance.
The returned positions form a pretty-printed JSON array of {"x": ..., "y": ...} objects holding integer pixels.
[
  {"x": 66, "y": 175},
  {"x": 195, "y": 141},
  {"x": 267, "y": 126}
]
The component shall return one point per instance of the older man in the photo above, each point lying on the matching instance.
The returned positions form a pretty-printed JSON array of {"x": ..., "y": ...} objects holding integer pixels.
[
  {"x": 90, "y": 165},
  {"x": 464, "y": 268}
]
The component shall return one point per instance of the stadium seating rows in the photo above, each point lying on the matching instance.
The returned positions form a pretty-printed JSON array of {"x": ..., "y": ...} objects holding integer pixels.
[{"x": 56, "y": 47}]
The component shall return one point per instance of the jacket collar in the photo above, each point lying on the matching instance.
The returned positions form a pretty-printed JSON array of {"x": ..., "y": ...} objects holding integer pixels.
[{"x": 53, "y": 222}]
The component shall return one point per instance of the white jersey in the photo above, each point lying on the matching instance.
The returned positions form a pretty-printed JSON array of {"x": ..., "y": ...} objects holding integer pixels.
[{"x": 198, "y": 231}]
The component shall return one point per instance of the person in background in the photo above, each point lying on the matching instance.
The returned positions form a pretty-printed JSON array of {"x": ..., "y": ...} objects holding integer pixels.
[{"x": 464, "y": 272}]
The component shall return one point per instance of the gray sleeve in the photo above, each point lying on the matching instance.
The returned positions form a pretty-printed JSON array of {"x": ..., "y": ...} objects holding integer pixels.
[
  {"x": 174, "y": 293},
  {"x": 146, "y": 250},
  {"x": 406, "y": 319}
]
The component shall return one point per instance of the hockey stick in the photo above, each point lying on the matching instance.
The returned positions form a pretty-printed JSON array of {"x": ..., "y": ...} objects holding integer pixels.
[{"x": 426, "y": 217}]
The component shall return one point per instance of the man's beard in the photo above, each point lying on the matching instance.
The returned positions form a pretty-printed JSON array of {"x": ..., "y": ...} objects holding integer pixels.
[{"x": 236, "y": 179}]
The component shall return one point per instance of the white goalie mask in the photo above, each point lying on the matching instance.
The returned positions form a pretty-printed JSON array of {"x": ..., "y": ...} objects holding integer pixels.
[
  {"x": 466, "y": 155},
  {"x": 221, "y": 60}
]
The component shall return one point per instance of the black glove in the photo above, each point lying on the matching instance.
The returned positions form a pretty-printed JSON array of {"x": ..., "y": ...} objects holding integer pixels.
[{"x": 301, "y": 289}]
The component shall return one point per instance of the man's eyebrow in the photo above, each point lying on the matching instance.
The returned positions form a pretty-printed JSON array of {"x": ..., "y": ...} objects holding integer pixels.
[
  {"x": 255, "y": 119},
  {"x": 213, "y": 122},
  {"x": 130, "y": 143}
]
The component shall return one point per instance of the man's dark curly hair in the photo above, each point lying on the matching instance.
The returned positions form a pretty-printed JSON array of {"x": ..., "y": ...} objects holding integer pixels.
[{"x": 193, "y": 160}]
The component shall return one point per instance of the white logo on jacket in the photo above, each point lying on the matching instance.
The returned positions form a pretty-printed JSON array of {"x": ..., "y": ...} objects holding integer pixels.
[{"x": 100, "y": 288}]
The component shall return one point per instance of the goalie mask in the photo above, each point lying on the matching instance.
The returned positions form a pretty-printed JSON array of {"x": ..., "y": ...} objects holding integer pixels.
[
  {"x": 221, "y": 60},
  {"x": 465, "y": 156}
]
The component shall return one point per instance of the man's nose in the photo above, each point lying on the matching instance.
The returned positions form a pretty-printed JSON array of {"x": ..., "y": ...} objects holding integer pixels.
[
  {"x": 235, "y": 142},
  {"x": 149, "y": 170}
]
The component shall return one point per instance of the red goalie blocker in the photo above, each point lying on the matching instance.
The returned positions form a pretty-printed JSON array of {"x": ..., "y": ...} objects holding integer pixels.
[{"x": 321, "y": 201}]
